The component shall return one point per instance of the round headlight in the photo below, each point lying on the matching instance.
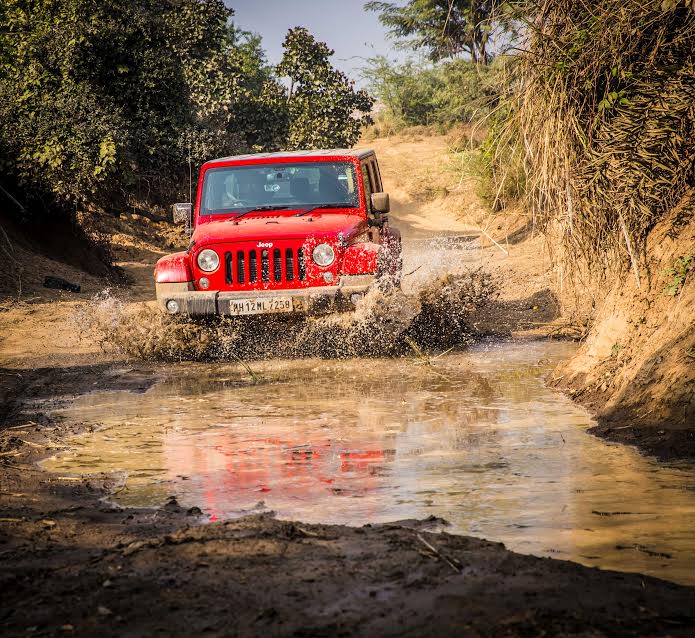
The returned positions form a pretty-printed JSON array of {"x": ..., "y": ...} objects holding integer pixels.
[
  {"x": 208, "y": 260},
  {"x": 323, "y": 255}
]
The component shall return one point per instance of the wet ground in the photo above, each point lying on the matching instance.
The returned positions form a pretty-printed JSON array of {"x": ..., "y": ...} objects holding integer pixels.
[{"x": 473, "y": 437}]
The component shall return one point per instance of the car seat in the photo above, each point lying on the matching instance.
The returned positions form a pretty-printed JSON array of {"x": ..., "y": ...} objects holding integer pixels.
[
  {"x": 331, "y": 190},
  {"x": 300, "y": 190}
]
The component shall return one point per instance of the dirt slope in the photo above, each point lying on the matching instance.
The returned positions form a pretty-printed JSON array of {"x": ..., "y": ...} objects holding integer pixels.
[
  {"x": 43, "y": 327},
  {"x": 637, "y": 366}
]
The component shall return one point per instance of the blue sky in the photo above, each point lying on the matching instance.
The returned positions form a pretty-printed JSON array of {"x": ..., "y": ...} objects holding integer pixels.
[{"x": 343, "y": 25}]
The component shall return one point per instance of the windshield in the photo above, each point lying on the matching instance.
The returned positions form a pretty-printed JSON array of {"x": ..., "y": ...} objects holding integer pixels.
[{"x": 235, "y": 189}]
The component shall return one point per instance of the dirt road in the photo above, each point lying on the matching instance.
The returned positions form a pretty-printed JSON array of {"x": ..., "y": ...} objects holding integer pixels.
[{"x": 75, "y": 564}]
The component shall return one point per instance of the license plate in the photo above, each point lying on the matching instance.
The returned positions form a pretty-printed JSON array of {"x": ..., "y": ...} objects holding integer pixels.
[{"x": 260, "y": 305}]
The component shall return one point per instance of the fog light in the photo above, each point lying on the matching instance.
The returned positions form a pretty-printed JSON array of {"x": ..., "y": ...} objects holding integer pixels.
[
  {"x": 328, "y": 277},
  {"x": 173, "y": 306},
  {"x": 204, "y": 283},
  {"x": 356, "y": 297}
]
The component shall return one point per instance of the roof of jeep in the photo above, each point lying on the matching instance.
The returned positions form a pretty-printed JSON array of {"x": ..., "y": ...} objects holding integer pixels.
[{"x": 350, "y": 152}]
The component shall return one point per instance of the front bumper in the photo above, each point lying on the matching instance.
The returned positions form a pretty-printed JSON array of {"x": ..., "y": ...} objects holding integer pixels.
[{"x": 318, "y": 300}]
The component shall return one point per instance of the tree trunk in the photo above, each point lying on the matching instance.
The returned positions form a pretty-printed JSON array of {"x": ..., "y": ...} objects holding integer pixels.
[
  {"x": 483, "y": 52},
  {"x": 473, "y": 52}
]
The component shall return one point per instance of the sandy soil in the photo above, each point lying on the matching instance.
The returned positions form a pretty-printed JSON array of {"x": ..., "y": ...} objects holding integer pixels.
[
  {"x": 72, "y": 564},
  {"x": 636, "y": 370}
]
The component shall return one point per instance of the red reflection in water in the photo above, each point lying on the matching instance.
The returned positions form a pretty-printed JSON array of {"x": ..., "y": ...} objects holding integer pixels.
[{"x": 230, "y": 473}]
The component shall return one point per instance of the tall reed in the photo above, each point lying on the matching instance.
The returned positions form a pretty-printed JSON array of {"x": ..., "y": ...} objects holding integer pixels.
[{"x": 598, "y": 123}]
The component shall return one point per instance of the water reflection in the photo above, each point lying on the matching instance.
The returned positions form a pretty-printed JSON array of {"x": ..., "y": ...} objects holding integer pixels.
[{"x": 478, "y": 441}]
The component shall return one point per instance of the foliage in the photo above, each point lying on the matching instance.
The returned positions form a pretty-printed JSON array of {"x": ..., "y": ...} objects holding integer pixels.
[
  {"x": 446, "y": 94},
  {"x": 682, "y": 268},
  {"x": 321, "y": 100},
  {"x": 103, "y": 97},
  {"x": 600, "y": 117},
  {"x": 106, "y": 102},
  {"x": 447, "y": 28}
]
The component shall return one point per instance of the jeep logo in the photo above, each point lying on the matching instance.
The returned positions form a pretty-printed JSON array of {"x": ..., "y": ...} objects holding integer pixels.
[{"x": 264, "y": 244}]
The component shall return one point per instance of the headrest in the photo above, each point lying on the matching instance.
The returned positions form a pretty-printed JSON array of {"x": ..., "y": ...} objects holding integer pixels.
[{"x": 299, "y": 188}]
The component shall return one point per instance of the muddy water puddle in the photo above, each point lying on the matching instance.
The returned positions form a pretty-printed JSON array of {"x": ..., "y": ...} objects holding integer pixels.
[{"x": 475, "y": 438}]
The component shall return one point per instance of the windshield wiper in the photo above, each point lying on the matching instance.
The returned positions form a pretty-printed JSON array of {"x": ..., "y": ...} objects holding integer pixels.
[
  {"x": 313, "y": 208},
  {"x": 259, "y": 209}
]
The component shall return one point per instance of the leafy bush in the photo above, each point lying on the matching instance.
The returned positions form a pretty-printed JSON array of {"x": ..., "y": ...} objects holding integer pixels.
[
  {"x": 441, "y": 95},
  {"x": 101, "y": 96},
  {"x": 678, "y": 274}
]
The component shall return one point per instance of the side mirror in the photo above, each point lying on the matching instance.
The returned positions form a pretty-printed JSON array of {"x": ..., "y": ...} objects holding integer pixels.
[
  {"x": 381, "y": 203},
  {"x": 182, "y": 213}
]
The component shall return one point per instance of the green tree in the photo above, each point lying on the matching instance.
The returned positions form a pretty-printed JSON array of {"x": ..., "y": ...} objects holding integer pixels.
[
  {"x": 263, "y": 113},
  {"x": 103, "y": 101},
  {"x": 445, "y": 28},
  {"x": 450, "y": 92},
  {"x": 325, "y": 110}
]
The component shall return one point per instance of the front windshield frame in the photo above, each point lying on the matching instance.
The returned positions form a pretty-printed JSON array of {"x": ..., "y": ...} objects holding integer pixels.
[{"x": 290, "y": 185}]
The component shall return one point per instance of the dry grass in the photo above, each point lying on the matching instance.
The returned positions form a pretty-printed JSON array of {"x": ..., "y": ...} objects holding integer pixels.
[{"x": 599, "y": 122}]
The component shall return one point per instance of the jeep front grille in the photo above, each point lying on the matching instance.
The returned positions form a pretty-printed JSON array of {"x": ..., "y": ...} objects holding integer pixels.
[{"x": 244, "y": 266}]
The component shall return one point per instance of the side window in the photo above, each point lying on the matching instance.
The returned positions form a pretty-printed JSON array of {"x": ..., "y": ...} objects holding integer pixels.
[
  {"x": 368, "y": 190},
  {"x": 372, "y": 180},
  {"x": 376, "y": 177}
]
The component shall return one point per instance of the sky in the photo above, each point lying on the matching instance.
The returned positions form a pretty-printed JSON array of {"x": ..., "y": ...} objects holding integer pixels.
[{"x": 355, "y": 34}]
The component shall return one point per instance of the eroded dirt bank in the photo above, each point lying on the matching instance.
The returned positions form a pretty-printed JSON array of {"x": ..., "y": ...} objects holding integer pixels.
[
  {"x": 74, "y": 564},
  {"x": 636, "y": 370}
]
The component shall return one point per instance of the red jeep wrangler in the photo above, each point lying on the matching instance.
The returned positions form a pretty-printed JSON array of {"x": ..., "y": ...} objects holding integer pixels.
[{"x": 290, "y": 232}]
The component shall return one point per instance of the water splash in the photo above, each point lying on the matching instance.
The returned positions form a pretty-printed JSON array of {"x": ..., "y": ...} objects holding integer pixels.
[{"x": 435, "y": 314}]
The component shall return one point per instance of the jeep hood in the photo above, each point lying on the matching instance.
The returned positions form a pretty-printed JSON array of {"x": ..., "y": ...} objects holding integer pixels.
[{"x": 268, "y": 227}]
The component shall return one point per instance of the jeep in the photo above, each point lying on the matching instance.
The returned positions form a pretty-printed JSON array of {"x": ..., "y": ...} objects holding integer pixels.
[{"x": 291, "y": 232}]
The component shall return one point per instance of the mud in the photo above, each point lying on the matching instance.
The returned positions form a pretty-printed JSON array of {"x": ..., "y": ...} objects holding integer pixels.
[
  {"x": 471, "y": 436},
  {"x": 673, "y": 444},
  {"x": 435, "y": 312},
  {"x": 259, "y": 576}
]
